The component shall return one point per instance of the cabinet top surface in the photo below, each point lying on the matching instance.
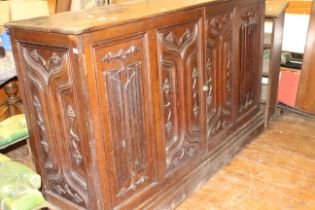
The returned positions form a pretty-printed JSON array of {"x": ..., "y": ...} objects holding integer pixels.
[
  {"x": 103, "y": 17},
  {"x": 275, "y": 8}
]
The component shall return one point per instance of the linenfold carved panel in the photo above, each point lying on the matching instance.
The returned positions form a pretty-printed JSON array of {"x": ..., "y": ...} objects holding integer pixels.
[
  {"x": 53, "y": 99},
  {"x": 249, "y": 39},
  {"x": 124, "y": 74},
  {"x": 179, "y": 54},
  {"x": 218, "y": 72}
]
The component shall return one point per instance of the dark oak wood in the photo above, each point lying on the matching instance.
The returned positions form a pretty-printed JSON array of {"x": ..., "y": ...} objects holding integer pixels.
[
  {"x": 137, "y": 114},
  {"x": 275, "y": 12},
  {"x": 305, "y": 97}
]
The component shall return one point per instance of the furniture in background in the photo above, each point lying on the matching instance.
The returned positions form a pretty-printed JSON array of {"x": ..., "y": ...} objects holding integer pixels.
[
  {"x": 57, "y": 6},
  {"x": 288, "y": 86},
  {"x": 13, "y": 129},
  {"x": 274, "y": 20},
  {"x": 306, "y": 95},
  {"x": 11, "y": 102},
  {"x": 137, "y": 109},
  {"x": 298, "y": 6}
]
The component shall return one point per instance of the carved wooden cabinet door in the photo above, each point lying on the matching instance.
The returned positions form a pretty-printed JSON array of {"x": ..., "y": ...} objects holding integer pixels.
[
  {"x": 218, "y": 84},
  {"x": 249, "y": 49},
  {"x": 57, "y": 122},
  {"x": 180, "y": 87},
  {"x": 125, "y": 97}
]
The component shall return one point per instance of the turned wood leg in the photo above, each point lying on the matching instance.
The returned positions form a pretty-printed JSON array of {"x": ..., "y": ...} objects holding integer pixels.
[{"x": 13, "y": 100}]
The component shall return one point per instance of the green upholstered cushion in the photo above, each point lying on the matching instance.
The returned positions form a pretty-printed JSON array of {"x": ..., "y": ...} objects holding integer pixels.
[
  {"x": 4, "y": 158},
  {"x": 10, "y": 168},
  {"x": 12, "y": 130},
  {"x": 18, "y": 186},
  {"x": 30, "y": 200}
]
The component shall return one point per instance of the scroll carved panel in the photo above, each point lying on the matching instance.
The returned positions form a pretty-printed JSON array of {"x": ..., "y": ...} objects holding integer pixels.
[
  {"x": 249, "y": 42},
  {"x": 179, "y": 54},
  {"x": 53, "y": 98},
  {"x": 124, "y": 74},
  {"x": 218, "y": 72}
]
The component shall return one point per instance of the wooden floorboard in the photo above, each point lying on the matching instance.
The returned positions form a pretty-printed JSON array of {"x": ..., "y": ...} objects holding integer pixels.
[{"x": 275, "y": 172}]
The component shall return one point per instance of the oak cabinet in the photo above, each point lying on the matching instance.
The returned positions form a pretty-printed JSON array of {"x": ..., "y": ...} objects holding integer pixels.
[{"x": 136, "y": 114}]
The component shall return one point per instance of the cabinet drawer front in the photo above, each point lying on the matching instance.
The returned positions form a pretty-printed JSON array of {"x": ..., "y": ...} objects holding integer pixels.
[
  {"x": 123, "y": 78},
  {"x": 179, "y": 54}
]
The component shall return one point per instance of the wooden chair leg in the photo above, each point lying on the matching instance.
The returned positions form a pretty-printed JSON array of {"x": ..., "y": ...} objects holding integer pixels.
[{"x": 14, "y": 102}]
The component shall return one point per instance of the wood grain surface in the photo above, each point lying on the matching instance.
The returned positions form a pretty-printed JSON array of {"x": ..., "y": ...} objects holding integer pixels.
[
  {"x": 306, "y": 97},
  {"x": 275, "y": 172},
  {"x": 103, "y": 17}
]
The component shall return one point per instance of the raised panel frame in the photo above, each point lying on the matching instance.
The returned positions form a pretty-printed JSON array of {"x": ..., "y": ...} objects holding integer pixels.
[
  {"x": 219, "y": 73},
  {"x": 249, "y": 47},
  {"x": 119, "y": 63},
  {"x": 180, "y": 72}
]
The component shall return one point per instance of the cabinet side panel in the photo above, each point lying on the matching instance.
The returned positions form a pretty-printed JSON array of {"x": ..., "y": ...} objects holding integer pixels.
[{"x": 54, "y": 117}]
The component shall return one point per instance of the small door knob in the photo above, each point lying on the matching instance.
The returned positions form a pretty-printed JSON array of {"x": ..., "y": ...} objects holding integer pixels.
[{"x": 206, "y": 88}]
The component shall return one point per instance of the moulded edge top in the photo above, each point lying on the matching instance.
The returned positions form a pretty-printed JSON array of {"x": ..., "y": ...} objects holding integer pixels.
[{"x": 103, "y": 17}]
